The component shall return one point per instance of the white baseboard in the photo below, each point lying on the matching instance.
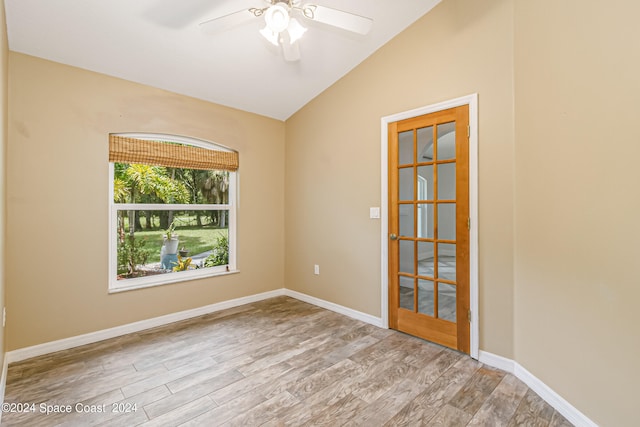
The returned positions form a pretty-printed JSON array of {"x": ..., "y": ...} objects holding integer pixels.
[
  {"x": 92, "y": 337},
  {"x": 67, "y": 343},
  {"x": 354, "y": 314},
  {"x": 497, "y": 361},
  {"x": 570, "y": 412}
]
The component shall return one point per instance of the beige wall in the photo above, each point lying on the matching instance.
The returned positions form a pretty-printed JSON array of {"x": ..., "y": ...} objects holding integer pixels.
[
  {"x": 577, "y": 202},
  {"x": 4, "y": 53},
  {"x": 333, "y": 159},
  {"x": 57, "y": 199}
]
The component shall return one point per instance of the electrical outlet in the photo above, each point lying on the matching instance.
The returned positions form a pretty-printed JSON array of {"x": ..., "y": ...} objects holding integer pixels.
[{"x": 316, "y": 269}]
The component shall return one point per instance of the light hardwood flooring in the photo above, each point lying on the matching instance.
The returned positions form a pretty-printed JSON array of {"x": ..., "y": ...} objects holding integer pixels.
[{"x": 273, "y": 363}]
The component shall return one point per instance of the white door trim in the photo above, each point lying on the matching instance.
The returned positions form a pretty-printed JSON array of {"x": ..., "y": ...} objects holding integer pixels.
[{"x": 472, "y": 102}]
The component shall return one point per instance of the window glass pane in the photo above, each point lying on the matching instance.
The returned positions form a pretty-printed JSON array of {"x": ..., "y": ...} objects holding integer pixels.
[
  {"x": 151, "y": 242},
  {"x": 136, "y": 183}
]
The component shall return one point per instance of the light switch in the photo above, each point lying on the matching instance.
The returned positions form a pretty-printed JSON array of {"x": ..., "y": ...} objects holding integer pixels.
[{"x": 374, "y": 213}]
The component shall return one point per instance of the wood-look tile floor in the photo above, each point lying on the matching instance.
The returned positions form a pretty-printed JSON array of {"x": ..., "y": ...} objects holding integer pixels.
[{"x": 272, "y": 363}]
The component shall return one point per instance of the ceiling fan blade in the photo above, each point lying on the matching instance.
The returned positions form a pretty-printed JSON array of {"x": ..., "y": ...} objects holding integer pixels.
[
  {"x": 227, "y": 21},
  {"x": 337, "y": 18},
  {"x": 169, "y": 13}
]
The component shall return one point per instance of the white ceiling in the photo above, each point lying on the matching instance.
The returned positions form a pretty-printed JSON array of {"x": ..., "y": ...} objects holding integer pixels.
[{"x": 159, "y": 43}]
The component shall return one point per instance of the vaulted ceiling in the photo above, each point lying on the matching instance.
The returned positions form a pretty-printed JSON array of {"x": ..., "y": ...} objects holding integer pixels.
[{"x": 160, "y": 43}]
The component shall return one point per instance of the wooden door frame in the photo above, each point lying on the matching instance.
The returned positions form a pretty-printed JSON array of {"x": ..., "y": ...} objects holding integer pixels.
[{"x": 472, "y": 102}]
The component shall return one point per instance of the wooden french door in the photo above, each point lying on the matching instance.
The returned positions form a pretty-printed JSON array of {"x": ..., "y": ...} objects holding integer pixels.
[{"x": 429, "y": 227}]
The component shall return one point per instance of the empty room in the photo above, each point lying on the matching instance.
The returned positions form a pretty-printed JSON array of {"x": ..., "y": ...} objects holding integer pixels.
[{"x": 418, "y": 212}]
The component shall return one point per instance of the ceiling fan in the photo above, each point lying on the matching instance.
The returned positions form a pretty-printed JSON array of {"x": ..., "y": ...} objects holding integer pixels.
[{"x": 281, "y": 26}]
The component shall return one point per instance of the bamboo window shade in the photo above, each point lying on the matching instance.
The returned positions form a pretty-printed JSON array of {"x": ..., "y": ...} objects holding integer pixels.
[{"x": 173, "y": 155}]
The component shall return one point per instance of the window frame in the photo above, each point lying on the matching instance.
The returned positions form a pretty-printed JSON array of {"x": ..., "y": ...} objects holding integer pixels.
[{"x": 116, "y": 285}]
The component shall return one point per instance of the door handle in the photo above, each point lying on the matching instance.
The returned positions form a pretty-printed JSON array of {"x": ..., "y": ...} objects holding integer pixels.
[{"x": 393, "y": 236}]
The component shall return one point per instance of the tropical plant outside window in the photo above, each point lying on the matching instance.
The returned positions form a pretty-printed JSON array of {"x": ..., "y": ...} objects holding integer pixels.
[{"x": 170, "y": 223}]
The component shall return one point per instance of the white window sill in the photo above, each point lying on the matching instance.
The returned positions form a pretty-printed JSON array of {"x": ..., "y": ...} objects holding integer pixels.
[{"x": 116, "y": 286}]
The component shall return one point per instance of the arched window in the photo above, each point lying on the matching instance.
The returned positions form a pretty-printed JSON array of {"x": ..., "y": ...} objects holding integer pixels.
[{"x": 172, "y": 210}]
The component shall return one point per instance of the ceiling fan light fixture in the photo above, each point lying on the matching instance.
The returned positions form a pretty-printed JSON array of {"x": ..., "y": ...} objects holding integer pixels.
[
  {"x": 277, "y": 18},
  {"x": 283, "y": 30},
  {"x": 295, "y": 30},
  {"x": 271, "y": 36}
]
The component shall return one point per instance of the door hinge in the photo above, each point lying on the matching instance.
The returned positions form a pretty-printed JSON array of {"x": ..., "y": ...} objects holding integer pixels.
[
  {"x": 469, "y": 223},
  {"x": 469, "y": 315},
  {"x": 469, "y": 131}
]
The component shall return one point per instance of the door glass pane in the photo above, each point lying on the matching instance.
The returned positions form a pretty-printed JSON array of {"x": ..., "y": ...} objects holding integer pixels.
[
  {"x": 447, "y": 181},
  {"x": 425, "y": 182},
  {"x": 447, "y": 221},
  {"x": 425, "y": 259},
  {"x": 425, "y": 145},
  {"x": 425, "y": 220},
  {"x": 407, "y": 256},
  {"x": 406, "y": 220},
  {"x": 447, "y": 302},
  {"x": 405, "y": 147},
  {"x": 446, "y": 145},
  {"x": 406, "y": 292},
  {"x": 447, "y": 261},
  {"x": 425, "y": 297},
  {"x": 405, "y": 183}
]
